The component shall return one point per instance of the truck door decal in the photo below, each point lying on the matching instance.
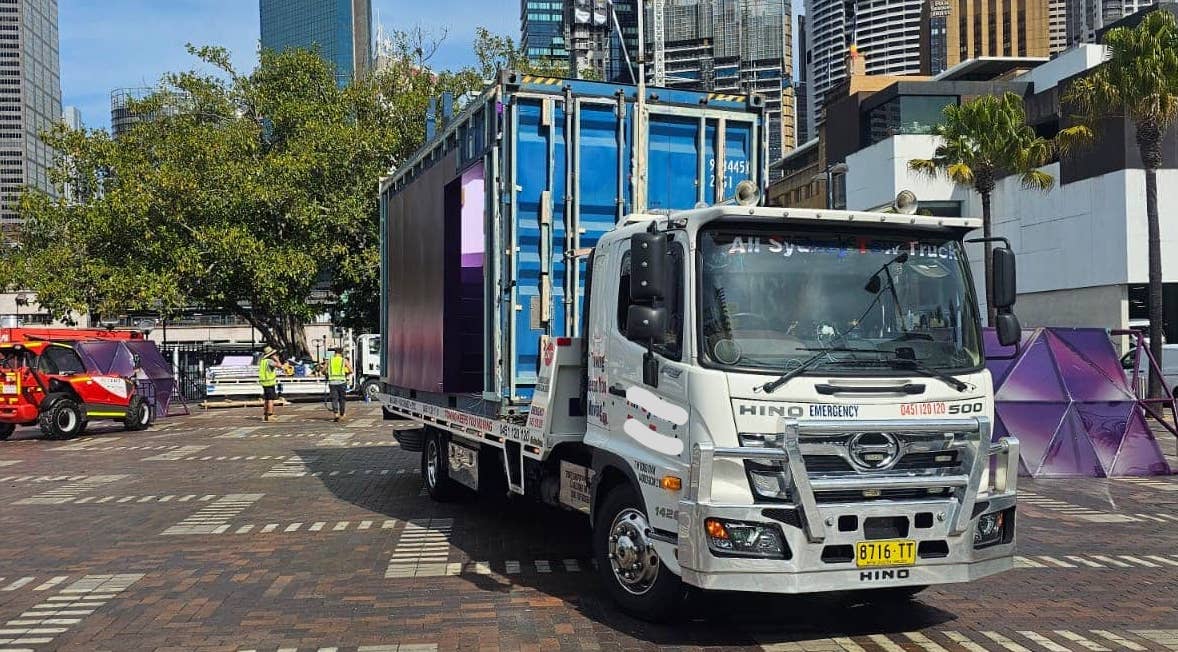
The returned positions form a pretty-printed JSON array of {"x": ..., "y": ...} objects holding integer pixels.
[{"x": 654, "y": 407}]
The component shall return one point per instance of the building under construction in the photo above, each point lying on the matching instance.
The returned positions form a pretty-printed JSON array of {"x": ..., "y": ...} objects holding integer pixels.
[{"x": 727, "y": 46}]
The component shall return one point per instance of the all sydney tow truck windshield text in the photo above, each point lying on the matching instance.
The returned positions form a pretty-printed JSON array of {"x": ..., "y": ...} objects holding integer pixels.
[{"x": 866, "y": 303}]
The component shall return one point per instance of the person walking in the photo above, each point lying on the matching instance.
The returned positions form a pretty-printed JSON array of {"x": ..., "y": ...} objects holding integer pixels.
[
  {"x": 268, "y": 369},
  {"x": 338, "y": 370}
]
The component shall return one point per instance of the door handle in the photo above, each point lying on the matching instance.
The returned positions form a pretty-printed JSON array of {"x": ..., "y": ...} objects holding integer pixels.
[{"x": 617, "y": 390}]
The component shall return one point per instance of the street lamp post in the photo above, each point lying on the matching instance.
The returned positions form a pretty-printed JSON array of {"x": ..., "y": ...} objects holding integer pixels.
[{"x": 828, "y": 175}]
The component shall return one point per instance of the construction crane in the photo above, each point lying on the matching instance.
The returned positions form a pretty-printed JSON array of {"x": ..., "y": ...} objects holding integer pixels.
[{"x": 660, "y": 43}]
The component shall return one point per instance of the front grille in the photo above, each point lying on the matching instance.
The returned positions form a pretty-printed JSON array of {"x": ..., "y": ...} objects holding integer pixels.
[
  {"x": 826, "y": 464},
  {"x": 855, "y": 496},
  {"x": 931, "y": 460}
]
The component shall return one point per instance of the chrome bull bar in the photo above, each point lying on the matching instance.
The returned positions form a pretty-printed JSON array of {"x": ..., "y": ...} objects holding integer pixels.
[{"x": 975, "y": 447}]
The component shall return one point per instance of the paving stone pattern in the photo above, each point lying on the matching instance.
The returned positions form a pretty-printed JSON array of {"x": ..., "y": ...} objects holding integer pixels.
[{"x": 220, "y": 532}]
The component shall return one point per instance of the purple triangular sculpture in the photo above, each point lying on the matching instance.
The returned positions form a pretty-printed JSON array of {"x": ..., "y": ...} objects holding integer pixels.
[
  {"x": 1070, "y": 452},
  {"x": 1084, "y": 379},
  {"x": 1104, "y": 425},
  {"x": 1033, "y": 378},
  {"x": 1103, "y": 356},
  {"x": 1140, "y": 453},
  {"x": 1035, "y": 425}
]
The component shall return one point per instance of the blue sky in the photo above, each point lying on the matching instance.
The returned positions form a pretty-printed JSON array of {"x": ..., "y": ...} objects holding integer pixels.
[
  {"x": 121, "y": 43},
  {"x": 111, "y": 44}
]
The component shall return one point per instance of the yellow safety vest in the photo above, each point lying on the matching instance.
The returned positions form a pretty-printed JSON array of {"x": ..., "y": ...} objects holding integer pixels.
[
  {"x": 267, "y": 377},
  {"x": 336, "y": 370}
]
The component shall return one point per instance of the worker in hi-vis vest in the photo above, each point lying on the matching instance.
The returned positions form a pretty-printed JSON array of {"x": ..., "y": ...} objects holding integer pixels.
[
  {"x": 269, "y": 366},
  {"x": 338, "y": 371}
]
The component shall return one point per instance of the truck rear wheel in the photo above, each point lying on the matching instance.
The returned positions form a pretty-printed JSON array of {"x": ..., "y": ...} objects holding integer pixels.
[
  {"x": 628, "y": 563},
  {"x": 63, "y": 420},
  {"x": 435, "y": 468},
  {"x": 370, "y": 389},
  {"x": 6, "y": 430},
  {"x": 138, "y": 414}
]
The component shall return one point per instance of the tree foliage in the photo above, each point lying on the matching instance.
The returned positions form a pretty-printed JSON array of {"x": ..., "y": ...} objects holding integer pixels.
[
  {"x": 243, "y": 194},
  {"x": 981, "y": 141},
  {"x": 1139, "y": 81}
]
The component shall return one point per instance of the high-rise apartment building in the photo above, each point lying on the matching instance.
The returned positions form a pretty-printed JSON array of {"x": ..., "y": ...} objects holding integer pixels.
[
  {"x": 1086, "y": 17},
  {"x": 886, "y": 32},
  {"x": 804, "y": 115},
  {"x": 601, "y": 37},
  {"x": 1057, "y": 26},
  {"x": 737, "y": 46},
  {"x": 959, "y": 30},
  {"x": 542, "y": 31},
  {"x": 124, "y": 114},
  {"x": 341, "y": 30},
  {"x": 30, "y": 98}
]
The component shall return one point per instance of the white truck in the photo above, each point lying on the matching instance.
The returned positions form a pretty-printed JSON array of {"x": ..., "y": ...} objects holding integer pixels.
[
  {"x": 776, "y": 400},
  {"x": 237, "y": 375}
]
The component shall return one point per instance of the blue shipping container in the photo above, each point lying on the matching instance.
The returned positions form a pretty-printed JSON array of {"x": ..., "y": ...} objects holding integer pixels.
[{"x": 481, "y": 229}]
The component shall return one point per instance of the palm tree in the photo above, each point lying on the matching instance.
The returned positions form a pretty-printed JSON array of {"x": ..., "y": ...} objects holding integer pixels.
[
  {"x": 981, "y": 141},
  {"x": 1139, "y": 80}
]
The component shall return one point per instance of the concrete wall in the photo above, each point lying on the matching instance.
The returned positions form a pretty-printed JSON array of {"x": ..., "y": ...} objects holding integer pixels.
[
  {"x": 1101, "y": 307},
  {"x": 877, "y": 173}
]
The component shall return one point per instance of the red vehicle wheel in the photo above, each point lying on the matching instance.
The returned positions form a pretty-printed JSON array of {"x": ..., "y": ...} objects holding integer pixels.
[{"x": 64, "y": 419}]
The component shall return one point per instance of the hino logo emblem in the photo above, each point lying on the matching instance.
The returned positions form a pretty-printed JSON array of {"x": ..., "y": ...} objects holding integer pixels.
[{"x": 874, "y": 451}]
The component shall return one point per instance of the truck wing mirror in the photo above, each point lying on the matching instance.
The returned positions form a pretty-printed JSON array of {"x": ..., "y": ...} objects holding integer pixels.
[
  {"x": 1008, "y": 329},
  {"x": 646, "y": 324},
  {"x": 1005, "y": 287},
  {"x": 648, "y": 266}
]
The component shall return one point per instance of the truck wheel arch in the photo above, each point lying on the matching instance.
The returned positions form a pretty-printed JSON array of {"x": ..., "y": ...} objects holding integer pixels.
[{"x": 609, "y": 471}]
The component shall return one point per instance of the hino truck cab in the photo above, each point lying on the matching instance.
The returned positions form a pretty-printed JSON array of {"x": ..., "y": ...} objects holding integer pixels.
[{"x": 790, "y": 401}]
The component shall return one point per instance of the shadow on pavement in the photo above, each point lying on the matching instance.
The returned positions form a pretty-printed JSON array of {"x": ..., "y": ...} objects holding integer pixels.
[{"x": 520, "y": 529}]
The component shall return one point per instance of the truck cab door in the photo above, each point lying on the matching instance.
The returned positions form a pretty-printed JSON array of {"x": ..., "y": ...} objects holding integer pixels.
[{"x": 648, "y": 421}]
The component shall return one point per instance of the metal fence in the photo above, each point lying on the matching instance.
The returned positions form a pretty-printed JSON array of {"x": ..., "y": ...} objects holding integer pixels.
[{"x": 191, "y": 361}]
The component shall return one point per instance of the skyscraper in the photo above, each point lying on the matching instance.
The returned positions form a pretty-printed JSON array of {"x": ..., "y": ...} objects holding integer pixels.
[
  {"x": 887, "y": 33},
  {"x": 804, "y": 112},
  {"x": 30, "y": 99},
  {"x": 340, "y": 29},
  {"x": 1086, "y": 17},
  {"x": 954, "y": 31},
  {"x": 1057, "y": 26},
  {"x": 738, "y": 46},
  {"x": 542, "y": 31},
  {"x": 601, "y": 37}
]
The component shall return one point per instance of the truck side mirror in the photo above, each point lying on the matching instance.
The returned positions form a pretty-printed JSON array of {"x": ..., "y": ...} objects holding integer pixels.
[
  {"x": 1005, "y": 287},
  {"x": 646, "y": 324},
  {"x": 1008, "y": 329},
  {"x": 648, "y": 266}
]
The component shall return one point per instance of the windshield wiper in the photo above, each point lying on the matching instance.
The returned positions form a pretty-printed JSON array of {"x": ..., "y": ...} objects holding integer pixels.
[
  {"x": 921, "y": 368},
  {"x": 897, "y": 362},
  {"x": 806, "y": 365}
]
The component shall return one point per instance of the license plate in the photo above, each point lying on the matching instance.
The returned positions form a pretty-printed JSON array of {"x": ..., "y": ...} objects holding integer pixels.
[
  {"x": 9, "y": 389},
  {"x": 887, "y": 552}
]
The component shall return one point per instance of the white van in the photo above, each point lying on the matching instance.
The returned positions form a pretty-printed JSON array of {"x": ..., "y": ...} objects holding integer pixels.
[{"x": 1169, "y": 364}]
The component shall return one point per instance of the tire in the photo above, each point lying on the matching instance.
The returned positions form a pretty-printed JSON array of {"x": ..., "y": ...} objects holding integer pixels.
[
  {"x": 6, "y": 430},
  {"x": 435, "y": 470},
  {"x": 370, "y": 389},
  {"x": 621, "y": 546},
  {"x": 64, "y": 419},
  {"x": 139, "y": 415}
]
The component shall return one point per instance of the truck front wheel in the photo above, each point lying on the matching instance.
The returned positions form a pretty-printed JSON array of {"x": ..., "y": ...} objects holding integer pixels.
[
  {"x": 63, "y": 420},
  {"x": 435, "y": 469},
  {"x": 628, "y": 563}
]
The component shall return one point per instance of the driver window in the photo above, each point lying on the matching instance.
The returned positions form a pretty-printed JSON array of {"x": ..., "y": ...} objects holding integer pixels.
[{"x": 60, "y": 360}]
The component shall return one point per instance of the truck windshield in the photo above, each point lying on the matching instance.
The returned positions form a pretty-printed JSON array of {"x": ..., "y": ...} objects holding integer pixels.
[{"x": 772, "y": 299}]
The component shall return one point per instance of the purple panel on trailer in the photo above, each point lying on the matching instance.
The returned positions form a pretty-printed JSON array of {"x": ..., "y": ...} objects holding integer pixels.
[{"x": 473, "y": 216}]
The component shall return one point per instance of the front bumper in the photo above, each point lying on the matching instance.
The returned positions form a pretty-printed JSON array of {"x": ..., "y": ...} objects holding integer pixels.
[
  {"x": 18, "y": 413},
  {"x": 818, "y": 537}
]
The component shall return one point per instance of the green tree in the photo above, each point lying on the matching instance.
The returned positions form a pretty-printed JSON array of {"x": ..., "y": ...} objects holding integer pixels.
[
  {"x": 1138, "y": 81},
  {"x": 981, "y": 141}
]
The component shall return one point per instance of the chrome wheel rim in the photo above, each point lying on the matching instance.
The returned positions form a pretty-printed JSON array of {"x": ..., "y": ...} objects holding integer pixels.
[
  {"x": 431, "y": 463},
  {"x": 144, "y": 414},
  {"x": 631, "y": 552},
  {"x": 373, "y": 391}
]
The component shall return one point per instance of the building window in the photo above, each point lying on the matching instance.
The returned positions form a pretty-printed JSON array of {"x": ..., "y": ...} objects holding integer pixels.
[{"x": 908, "y": 114}]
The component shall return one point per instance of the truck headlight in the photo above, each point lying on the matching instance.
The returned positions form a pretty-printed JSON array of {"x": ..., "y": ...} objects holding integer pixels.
[
  {"x": 740, "y": 539},
  {"x": 991, "y": 529}
]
